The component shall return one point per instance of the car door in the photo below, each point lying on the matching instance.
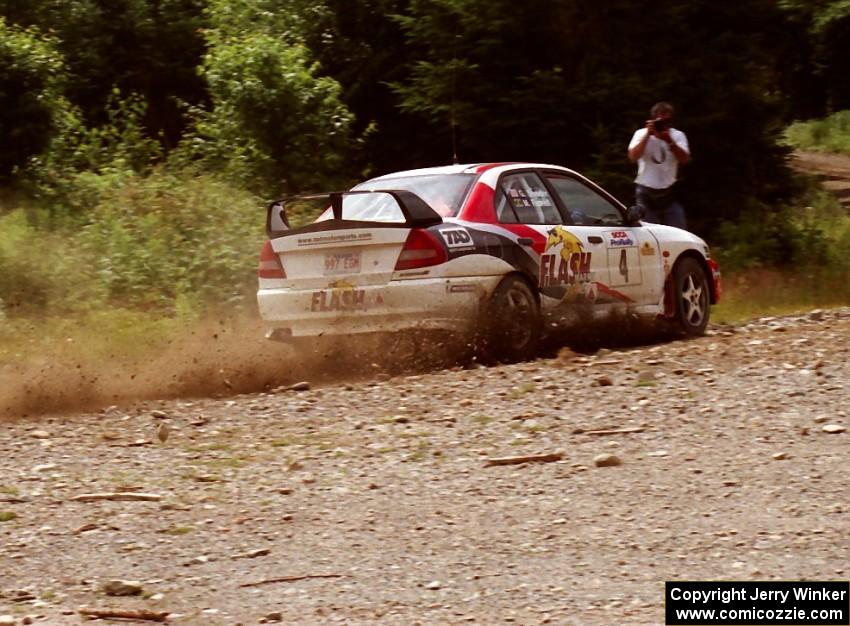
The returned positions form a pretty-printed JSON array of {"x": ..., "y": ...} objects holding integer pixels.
[
  {"x": 632, "y": 256},
  {"x": 569, "y": 264}
]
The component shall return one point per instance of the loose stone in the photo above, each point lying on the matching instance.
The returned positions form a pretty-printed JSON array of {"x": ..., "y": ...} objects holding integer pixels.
[
  {"x": 607, "y": 460},
  {"x": 122, "y": 588}
]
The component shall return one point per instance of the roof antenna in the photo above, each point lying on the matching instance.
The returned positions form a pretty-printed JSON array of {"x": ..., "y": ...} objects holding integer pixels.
[{"x": 452, "y": 107}]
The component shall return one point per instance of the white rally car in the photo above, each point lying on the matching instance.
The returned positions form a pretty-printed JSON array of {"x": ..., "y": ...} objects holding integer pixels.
[{"x": 493, "y": 253}]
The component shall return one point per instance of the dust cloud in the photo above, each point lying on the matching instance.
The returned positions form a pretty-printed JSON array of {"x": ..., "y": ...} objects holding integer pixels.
[
  {"x": 226, "y": 358},
  {"x": 213, "y": 359}
]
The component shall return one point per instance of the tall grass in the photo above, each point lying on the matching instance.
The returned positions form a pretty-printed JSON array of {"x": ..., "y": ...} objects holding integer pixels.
[
  {"x": 761, "y": 292},
  {"x": 130, "y": 297},
  {"x": 791, "y": 259},
  {"x": 161, "y": 243},
  {"x": 830, "y": 134}
]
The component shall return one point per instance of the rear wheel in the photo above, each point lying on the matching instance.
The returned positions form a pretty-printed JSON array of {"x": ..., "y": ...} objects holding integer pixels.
[
  {"x": 690, "y": 294},
  {"x": 512, "y": 323}
]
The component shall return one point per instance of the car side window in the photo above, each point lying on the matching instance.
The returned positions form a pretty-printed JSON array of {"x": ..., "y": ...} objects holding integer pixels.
[
  {"x": 523, "y": 198},
  {"x": 585, "y": 205}
]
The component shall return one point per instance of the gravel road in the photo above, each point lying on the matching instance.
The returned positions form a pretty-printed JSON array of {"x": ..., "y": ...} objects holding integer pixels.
[{"x": 374, "y": 503}]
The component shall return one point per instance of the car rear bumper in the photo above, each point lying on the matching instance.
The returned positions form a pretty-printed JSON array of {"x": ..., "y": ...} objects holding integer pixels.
[{"x": 427, "y": 304}]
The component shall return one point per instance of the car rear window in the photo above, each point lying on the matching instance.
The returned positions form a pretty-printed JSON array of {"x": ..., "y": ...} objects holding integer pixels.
[{"x": 443, "y": 192}]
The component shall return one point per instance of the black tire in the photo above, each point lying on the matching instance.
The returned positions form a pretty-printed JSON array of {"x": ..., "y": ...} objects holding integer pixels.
[
  {"x": 512, "y": 322},
  {"x": 691, "y": 297}
]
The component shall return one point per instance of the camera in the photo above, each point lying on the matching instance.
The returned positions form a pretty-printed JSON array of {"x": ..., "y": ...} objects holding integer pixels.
[{"x": 660, "y": 125}]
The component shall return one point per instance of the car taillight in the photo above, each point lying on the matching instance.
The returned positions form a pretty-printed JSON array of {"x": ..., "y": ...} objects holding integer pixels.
[
  {"x": 715, "y": 280},
  {"x": 420, "y": 250},
  {"x": 269, "y": 265}
]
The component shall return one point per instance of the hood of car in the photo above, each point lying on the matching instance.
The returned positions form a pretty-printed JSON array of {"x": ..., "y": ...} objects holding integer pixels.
[{"x": 671, "y": 233}]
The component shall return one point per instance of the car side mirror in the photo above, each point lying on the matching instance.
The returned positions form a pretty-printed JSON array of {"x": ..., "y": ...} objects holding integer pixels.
[{"x": 634, "y": 215}]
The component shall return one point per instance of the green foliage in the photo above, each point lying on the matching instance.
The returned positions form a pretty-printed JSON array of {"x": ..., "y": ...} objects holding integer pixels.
[
  {"x": 813, "y": 235},
  {"x": 288, "y": 20},
  {"x": 274, "y": 124},
  {"x": 126, "y": 119},
  {"x": 39, "y": 270},
  {"x": 148, "y": 47},
  {"x": 777, "y": 262},
  {"x": 831, "y": 134},
  {"x": 361, "y": 46},
  {"x": 159, "y": 242},
  {"x": 31, "y": 71},
  {"x": 778, "y": 238},
  {"x": 160, "y": 239},
  {"x": 82, "y": 163},
  {"x": 824, "y": 52},
  {"x": 471, "y": 64},
  {"x": 569, "y": 82},
  {"x": 119, "y": 143}
]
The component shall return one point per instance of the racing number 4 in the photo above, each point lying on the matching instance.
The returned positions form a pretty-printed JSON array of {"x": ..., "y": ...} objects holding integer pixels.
[{"x": 624, "y": 266}]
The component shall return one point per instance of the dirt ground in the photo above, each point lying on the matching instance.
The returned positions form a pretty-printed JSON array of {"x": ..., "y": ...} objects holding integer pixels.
[
  {"x": 373, "y": 502},
  {"x": 832, "y": 169}
]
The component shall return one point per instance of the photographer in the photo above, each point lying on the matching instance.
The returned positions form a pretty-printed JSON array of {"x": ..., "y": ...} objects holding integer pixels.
[{"x": 659, "y": 149}]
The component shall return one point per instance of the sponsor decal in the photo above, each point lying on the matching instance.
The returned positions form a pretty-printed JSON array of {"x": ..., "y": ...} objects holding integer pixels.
[
  {"x": 540, "y": 198},
  {"x": 647, "y": 249},
  {"x": 321, "y": 240},
  {"x": 519, "y": 199},
  {"x": 461, "y": 288},
  {"x": 456, "y": 238},
  {"x": 620, "y": 239},
  {"x": 607, "y": 294},
  {"x": 342, "y": 296},
  {"x": 570, "y": 266}
]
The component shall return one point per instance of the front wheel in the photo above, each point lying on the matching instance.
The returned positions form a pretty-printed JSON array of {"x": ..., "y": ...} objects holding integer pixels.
[
  {"x": 690, "y": 295},
  {"x": 512, "y": 322}
]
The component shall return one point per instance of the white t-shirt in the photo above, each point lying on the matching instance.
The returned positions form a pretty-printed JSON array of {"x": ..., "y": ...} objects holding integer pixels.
[{"x": 658, "y": 166}]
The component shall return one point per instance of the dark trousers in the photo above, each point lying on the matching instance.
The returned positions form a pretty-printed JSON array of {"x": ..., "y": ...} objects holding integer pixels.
[{"x": 660, "y": 206}]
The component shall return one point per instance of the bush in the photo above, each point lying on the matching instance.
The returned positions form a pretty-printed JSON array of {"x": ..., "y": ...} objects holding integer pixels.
[
  {"x": 779, "y": 238},
  {"x": 160, "y": 243},
  {"x": 40, "y": 270},
  {"x": 161, "y": 239},
  {"x": 831, "y": 134},
  {"x": 82, "y": 164}
]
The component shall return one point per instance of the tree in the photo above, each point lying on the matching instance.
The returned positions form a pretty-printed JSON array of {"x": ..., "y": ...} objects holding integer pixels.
[
  {"x": 273, "y": 121},
  {"x": 362, "y": 46},
  {"x": 147, "y": 47},
  {"x": 823, "y": 58},
  {"x": 568, "y": 81},
  {"x": 31, "y": 72}
]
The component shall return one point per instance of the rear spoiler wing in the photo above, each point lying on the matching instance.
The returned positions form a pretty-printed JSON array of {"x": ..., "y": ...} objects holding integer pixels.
[{"x": 417, "y": 213}]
